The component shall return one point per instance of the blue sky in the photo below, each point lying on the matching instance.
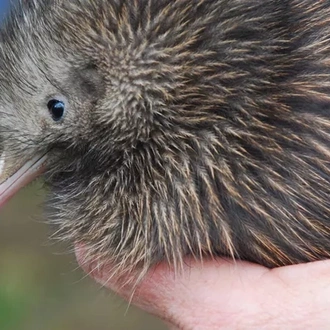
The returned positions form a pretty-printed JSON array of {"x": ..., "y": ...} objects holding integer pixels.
[{"x": 3, "y": 7}]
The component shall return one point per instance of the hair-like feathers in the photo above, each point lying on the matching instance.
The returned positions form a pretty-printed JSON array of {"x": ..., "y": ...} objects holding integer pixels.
[{"x": 207, "y": 129}]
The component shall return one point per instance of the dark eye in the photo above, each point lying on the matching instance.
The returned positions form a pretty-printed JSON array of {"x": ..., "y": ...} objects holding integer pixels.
[{"x": 56, "y": 109}]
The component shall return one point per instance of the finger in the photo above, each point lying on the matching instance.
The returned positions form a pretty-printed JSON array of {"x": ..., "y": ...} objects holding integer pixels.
[
  {"x": 210, "y": 288},
  {"x": 221, "y": 294}
]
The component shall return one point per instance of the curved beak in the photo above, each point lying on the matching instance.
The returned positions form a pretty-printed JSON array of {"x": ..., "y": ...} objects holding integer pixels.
[{"x": 13, "y": 177}]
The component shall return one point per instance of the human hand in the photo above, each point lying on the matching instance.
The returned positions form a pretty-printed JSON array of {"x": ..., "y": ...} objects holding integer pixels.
[{"x": 221, "y": 294}]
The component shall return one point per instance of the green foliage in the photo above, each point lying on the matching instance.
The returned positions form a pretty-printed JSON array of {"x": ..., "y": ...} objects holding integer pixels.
[{"x": 12, "y": 309}]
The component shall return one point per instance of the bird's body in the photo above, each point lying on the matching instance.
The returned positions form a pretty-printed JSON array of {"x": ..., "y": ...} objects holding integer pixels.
[{"x": 192, "y": 127}]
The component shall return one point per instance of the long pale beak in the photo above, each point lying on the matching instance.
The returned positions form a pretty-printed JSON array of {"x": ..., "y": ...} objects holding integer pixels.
[{"x": 13, "y": 178}]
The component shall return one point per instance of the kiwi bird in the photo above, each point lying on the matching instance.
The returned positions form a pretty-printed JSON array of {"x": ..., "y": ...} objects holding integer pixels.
[{"x": 172, "y": 128}]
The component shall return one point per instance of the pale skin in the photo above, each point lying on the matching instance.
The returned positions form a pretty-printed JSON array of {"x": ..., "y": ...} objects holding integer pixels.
[{"x": 220, "y": 294}]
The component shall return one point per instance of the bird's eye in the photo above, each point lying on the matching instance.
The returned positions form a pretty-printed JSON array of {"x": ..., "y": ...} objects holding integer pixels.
[{"x": 56, "y": 109}]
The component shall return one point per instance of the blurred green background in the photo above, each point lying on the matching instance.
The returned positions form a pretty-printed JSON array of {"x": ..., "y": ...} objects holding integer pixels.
[{"x": 41, "y": 287}]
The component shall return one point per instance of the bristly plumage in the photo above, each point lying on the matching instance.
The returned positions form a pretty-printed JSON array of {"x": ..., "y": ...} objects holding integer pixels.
[{"x": 195, "y": 127}]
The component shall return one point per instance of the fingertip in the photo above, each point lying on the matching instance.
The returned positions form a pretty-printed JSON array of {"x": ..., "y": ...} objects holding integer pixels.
[{"x": 150, "y": 293}]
